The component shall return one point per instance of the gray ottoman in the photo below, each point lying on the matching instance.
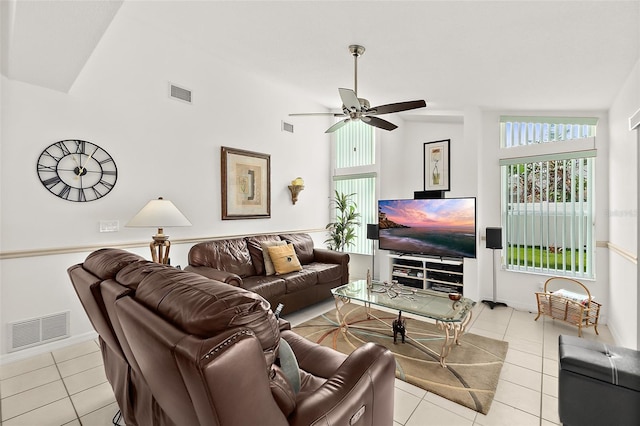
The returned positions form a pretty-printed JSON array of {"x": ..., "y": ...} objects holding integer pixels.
[{"x": 599, "y": 384}]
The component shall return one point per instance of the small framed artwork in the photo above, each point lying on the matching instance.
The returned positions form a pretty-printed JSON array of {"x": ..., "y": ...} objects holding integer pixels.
[
  {"x": 246, "y": 184},
  {"x": 436, "y": 165}
]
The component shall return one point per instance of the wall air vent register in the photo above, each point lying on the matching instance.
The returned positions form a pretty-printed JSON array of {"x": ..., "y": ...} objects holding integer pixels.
[
  {"x": 37, "y": 331},
  {"x": 180, "y": 93}
]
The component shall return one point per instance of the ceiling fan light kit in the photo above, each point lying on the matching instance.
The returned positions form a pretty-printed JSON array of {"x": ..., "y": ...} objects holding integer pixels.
[{"x": 355, "y": 108}]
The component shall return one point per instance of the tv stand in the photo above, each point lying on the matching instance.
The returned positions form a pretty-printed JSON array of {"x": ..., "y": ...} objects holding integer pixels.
[{"x": 428, "y": 273}]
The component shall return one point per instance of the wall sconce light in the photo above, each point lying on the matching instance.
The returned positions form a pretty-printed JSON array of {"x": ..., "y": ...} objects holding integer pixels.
[{"x": 296, "y": 186}]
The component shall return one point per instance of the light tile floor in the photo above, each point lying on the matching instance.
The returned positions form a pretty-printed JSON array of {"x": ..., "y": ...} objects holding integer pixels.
[{"x": 68, "y": 386}]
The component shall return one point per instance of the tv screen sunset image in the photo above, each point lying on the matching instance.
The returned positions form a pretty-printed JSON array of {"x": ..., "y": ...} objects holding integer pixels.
[{"x": 435, "y": 227}]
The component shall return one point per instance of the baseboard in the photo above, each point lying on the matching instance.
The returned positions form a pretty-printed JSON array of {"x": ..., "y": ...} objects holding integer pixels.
[{"x": 49, "y": 347}]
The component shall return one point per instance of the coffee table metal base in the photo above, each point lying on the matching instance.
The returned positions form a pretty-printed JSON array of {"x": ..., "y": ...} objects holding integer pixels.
[{"x": 453, "y": 331}]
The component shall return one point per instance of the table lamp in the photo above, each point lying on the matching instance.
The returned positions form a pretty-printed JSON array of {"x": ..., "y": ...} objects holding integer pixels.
[{"x": 158, "y": 214}]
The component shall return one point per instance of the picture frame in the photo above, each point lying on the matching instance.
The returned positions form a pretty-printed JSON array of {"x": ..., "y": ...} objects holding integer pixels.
[
  {"x": 246, "y": 184},
  {"x": 437, "y": 164}
]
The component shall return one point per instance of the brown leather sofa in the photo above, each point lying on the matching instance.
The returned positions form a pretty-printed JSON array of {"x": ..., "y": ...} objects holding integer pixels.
[
  {"x": 240, "y": 262},
  {"x": 182, "y": 349}
]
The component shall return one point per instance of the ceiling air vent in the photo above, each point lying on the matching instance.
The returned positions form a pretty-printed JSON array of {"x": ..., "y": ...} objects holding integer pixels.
[
  {"x": 36, "y": 331},
  {"x": 179, "y": 93},
  {"x": 287, "y": 127}
]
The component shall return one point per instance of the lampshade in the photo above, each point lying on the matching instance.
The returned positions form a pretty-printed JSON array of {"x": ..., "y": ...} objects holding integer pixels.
[{"x": 158, "y": 213}]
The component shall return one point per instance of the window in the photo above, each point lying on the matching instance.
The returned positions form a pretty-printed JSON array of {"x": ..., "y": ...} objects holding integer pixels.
[
  {"x": 548, "y": 200},
  {"x": 355, "y": 173},
  {"x": 520, "y": 131}
]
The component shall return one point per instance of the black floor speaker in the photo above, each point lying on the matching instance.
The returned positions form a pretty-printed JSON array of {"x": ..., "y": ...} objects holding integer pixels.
[
  {"x": 494, "y": 238},
  {"x": 494, "y": 241},
  {"x": 372, "y": 231}
]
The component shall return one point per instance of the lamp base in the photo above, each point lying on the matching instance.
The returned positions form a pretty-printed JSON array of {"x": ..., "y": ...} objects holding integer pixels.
[
  {"x": 160, "y": 247},
  {"x": 493, "y": 304}
]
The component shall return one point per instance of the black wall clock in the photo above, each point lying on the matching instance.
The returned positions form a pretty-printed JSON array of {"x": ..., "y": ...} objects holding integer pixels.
[{"x": 76, "y": 170}]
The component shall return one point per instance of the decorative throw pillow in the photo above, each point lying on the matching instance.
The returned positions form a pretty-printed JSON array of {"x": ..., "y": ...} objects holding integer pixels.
[
  {"x": 284, "y": 259},
  {"x": 268, "y": 264}
]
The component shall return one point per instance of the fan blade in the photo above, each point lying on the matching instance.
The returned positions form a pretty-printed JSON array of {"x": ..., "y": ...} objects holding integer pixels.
[
  {"x": 337, "y": 125},
  {"x": 334, "y": 114},
  {"x": 349, "y": 99},
  {"x": 397, "y": 107},
  {"x": 379, "y": 122}
]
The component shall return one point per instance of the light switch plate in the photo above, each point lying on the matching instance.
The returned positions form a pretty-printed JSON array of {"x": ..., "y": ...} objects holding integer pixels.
[{"x": 109, "y": 226}]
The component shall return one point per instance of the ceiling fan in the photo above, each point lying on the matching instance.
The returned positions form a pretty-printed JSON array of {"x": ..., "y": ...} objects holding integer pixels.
[{"x": 355, "y": 108}]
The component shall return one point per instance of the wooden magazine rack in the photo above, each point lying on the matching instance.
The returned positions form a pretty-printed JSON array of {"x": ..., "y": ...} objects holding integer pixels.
[{"x": 568, "y": 300}]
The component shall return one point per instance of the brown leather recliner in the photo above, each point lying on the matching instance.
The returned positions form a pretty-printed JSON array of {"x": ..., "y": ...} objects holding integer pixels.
[
  {"x": 214, "y": 354},
  {"x": 136, "y": 402}
]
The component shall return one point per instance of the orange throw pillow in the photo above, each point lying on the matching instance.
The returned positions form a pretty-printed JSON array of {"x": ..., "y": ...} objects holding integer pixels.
[
  {"x": 268, "y": 264},
  {"x": 284, "y": 259}
]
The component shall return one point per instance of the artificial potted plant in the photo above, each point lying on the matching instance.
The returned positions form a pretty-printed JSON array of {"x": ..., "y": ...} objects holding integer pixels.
[{"x": 342, "y": 232}]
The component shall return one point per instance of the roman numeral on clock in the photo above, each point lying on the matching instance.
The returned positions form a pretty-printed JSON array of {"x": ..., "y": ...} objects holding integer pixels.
[
  {"x": 64, "y": 193},
  {"x": 52, "y": 181},
  {"x": 63, "y": 148}
]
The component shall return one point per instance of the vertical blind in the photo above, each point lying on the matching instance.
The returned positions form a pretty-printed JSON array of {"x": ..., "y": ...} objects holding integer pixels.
[
  {"x": 364, "y": 189},
  {"x": 549, "y": 216},
  {"x": 355, "y": 147},
  {"x": 520, "y": 131}
]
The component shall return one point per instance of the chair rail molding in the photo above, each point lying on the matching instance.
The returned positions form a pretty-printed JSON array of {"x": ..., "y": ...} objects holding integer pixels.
[
  {"x": 631, "y": 257},
  {"x": 17, "y": 254}
]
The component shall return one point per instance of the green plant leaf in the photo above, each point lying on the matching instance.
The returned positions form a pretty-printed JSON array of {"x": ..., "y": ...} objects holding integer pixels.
[{"x": 342, "y": 231}]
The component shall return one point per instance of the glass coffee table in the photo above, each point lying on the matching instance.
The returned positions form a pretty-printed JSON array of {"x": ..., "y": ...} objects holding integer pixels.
[{"x": 451, "y": 316}]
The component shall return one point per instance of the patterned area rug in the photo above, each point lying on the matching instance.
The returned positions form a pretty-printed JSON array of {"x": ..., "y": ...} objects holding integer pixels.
[{"x": 473, "y": 368}]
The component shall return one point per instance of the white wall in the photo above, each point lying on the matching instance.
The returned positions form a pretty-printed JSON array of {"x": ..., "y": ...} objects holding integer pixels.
[
  {"x": 624, "y": 321},
  {"x": 403, "y": 164},
  {"x": 162, "y": 147},
  {"x": 402, "y": 173}
]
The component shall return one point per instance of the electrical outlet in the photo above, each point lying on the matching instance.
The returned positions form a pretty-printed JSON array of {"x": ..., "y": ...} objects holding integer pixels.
[{"x": 109, "y": 226}]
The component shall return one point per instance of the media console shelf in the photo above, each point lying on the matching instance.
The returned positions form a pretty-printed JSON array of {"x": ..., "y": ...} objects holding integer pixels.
[{"x": 428, "y": 273}]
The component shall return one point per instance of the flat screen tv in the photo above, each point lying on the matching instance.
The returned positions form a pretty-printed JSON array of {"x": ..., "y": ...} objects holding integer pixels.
[{"x": 444, "y": 227}]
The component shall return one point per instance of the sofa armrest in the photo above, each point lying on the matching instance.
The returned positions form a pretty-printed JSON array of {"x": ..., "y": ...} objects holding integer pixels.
[
  {"x": 335, "y": 257},
  {"x": 313, "y": 358},
  {"x": 361, "y": 388},
  {"x": 216, "y": 274},
  {"x": 330, "y": 256},
  {"x": 283, "y": 324}
]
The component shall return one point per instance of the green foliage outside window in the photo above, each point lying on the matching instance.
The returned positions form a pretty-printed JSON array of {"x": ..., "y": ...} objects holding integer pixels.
[{"x": 564, "y": 260}]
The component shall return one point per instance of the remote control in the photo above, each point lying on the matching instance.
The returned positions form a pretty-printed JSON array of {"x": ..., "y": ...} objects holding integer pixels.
[{"x": 278, "y": 310}]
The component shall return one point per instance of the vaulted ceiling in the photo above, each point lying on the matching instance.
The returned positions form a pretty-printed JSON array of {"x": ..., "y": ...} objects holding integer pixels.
[{"x": 544, "y": 55}]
